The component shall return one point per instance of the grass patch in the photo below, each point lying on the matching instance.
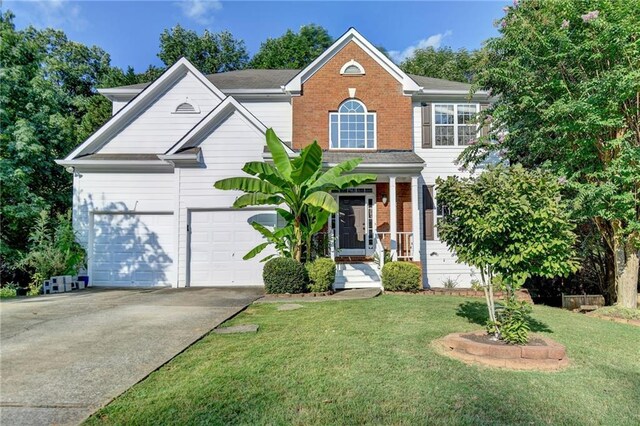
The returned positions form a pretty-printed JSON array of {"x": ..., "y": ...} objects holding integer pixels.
[
  {"x": 370, "y": 361},
  {"x": 619, "y": 312}
]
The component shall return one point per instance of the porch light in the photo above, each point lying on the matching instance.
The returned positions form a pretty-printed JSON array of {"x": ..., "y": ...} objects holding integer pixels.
[{"x": 385, "y": 199}]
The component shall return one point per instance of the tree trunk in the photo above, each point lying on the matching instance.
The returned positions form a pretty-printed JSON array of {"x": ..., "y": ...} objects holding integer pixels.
[{"x": 627, "y": 263}]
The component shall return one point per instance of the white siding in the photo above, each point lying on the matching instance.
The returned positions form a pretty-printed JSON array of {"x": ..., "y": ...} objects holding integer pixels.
[
  {"x": 438, "y": 262},
  {"x": 276, "y": 114},
  {"x": 225, "y": 151},
  {"x": 157, "y": 129},
  {"x": 117, "y": 106},
  {"x": 122, "y": 192}
]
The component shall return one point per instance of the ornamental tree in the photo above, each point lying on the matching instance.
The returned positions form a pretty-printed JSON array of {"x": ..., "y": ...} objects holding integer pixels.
[
  {"x": 510, "y": 222},
  {"x": 566, "y": 76}
]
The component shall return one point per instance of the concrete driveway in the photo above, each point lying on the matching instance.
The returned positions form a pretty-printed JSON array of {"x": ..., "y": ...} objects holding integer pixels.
[{"x": 63, "y": 356}]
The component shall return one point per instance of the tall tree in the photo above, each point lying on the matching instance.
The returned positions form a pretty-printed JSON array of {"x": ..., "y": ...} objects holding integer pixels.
[
  {"x": 46, "y": 94},
  {"x": 445, "y": 63},
  {"x": 292, "y": 50},
  {"x": 209, "y": 52},
  {"x": 567, "y": 80}
]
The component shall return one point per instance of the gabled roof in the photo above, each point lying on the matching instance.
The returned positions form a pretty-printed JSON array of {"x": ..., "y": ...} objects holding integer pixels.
[
  {"x": 220, "y": 113},
  {"x": 408, "y": 84},
  {"x": 228, "y": 82},
  {"x": 149, "y": 94}
]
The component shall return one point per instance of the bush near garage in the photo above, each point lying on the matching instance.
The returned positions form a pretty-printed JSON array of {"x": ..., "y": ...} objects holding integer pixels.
[{"x": 284, "y": 275}]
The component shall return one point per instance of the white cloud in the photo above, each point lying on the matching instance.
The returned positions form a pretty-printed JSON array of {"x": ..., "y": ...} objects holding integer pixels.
[
  {"x": 59, "y": 14},
  {"x": 432, "y": 41},
  {"x": 199, "y": 11}
]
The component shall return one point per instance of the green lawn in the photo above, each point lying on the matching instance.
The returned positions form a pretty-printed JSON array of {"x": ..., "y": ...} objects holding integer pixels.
[{"x": 370, "y": 361}]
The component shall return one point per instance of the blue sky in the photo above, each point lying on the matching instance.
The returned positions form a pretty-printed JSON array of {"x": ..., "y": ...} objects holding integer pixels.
[{"x": 129, "y": 30}]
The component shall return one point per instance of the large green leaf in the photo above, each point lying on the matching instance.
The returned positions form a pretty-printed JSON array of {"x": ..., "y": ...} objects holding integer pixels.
[
  {"x": 279, "y": 154},
  {"x": 286, "y": 215},
  {"x": 321, "y": 219},
  {"x": 265, "y": 171},
  {"x": 255, "y": 251},
  {"x": 355, "y": 179},
  {"x": 323, "y": 200},
  {"x": 257, "y": 199},
  {"x": 334, "y": 172},
  {"x": 266, "y": 232},
  {"x": 307, "y": 163},
  {"x": 247, "y": 184}
]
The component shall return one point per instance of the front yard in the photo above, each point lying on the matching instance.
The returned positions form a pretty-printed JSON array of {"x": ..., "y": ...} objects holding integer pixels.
[{"x": 370, "y": 361}]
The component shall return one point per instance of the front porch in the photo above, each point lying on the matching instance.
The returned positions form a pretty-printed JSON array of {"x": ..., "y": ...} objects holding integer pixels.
[{"x": 375, "y": 222}]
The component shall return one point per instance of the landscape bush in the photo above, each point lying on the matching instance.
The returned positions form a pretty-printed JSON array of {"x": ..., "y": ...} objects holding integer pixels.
[
  {"x": 322, "y": 274},
  {"x": 401, "y": 276},
  {"x": 284, "y": 275}
]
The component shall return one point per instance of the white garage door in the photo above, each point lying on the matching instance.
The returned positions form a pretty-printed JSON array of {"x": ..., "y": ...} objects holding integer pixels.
[
  {"x": 219, "y": 240},
  {"x": 133, "y": 250}
]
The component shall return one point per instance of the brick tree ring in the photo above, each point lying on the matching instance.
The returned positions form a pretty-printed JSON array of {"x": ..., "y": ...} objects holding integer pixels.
[{"x": 541, "y": 353}]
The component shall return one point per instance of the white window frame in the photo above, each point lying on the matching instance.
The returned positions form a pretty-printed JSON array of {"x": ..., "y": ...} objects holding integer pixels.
[
  {"x": 349, "y": 64},
  {"x": 366, "y": 112},
  {"x": 455, "y": 123}
]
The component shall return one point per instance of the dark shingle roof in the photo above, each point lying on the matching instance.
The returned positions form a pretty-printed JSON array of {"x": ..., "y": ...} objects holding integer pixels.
[
  {"x": 242, "y": 79},
  {"x": 273, "y": 79},
  {"x": 377, "y": 157},
  {"x": 430, "y": 83}
]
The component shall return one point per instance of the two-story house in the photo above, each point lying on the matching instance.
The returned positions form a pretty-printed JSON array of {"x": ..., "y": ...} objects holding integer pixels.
[{"x": 145, "y": 208}]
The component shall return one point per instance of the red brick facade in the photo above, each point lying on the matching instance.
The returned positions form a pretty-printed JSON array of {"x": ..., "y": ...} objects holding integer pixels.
[
  {"x": 377, "y": 89},
  {"x": 403, "y": 207}
]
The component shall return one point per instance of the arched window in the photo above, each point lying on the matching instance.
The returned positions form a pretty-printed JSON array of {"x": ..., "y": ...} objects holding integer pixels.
[
  {"x": 352, "y": 68},
  {"x": 352, "y": 127}
]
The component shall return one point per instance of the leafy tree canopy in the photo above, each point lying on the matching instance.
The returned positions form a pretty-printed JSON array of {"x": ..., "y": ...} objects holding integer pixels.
[
  {"x": 567, "y": 77},
  {"x": 209, "y": 52},
  {"x": 49, "y": 105},
  {"x": 443, "y": 63},
  {"x": 292, "y": 50}
]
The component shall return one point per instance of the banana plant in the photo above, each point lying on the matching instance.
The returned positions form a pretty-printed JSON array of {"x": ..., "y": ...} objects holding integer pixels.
[{"x": 299, "y": 184}]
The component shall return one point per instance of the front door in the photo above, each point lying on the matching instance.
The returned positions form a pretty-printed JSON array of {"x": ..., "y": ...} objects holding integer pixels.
[{"x": 352, "y": 224}]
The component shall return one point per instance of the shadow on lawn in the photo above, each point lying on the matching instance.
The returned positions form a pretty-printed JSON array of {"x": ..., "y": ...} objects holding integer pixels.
[{"x": 476, "y": 313}]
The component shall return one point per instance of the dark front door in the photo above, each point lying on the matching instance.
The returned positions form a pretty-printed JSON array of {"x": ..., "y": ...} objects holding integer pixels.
[{"x": 352, "y": 222}]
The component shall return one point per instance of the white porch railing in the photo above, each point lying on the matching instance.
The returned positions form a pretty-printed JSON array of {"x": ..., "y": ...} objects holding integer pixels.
[
  {"x": 404, "y": 244},
  {"x": 379, "y": 250}
]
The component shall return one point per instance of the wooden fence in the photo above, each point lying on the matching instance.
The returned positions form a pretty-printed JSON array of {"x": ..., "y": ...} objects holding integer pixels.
[{"x": 574, "y": 301}]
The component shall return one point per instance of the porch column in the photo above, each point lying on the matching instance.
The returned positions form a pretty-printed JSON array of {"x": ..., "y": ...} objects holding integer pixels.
[
  {"x": 393, "y": 218},
  {"x": 415, "y": 218}
]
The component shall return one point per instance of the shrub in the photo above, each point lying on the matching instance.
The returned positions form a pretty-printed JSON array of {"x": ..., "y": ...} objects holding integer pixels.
[
  {"x": 284, "y": 275},
  {"x": 401, "y": 276},
  {"x": 513, "y": 322},
  {"x": 7, "y": 291},
  {"x": 322, "y": 274},
  {"x": 53, "y": 250}
]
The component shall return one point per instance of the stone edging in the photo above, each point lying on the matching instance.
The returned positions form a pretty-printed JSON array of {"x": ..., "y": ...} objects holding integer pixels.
[
  {"x": 520, "y": 294},
  {"x": 551, "y": 357},
  {"x": 615, "y": 319}
]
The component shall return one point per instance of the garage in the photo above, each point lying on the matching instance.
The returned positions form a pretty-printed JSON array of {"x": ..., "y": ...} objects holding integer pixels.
[
  {"x": 135, "y": 250},
  {"x": 218, "y": 241}
]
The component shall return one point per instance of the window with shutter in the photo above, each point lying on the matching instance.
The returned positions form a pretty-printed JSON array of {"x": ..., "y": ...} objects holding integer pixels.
[
  {"x": 426, "y": 126},
  {"x": 428, "y": 205}
]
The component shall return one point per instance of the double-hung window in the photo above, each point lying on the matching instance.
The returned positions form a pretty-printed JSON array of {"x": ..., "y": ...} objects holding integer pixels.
[
  {"x": 352, "y": 127},
  {"x": 454, "y": 124}
]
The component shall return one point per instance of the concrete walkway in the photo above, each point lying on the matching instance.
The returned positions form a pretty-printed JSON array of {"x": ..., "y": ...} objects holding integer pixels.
[
  {"x": 63, "y": 356},
  {"x": 353, "y": 294}
]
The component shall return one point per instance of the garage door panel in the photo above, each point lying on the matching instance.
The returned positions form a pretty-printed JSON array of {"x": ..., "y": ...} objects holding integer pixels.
[
  {"x": 219, "y": 240},
  {"x": 133, "y": 250}
]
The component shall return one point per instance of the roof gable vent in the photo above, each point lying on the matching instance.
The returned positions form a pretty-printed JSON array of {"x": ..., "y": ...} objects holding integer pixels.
[{"x": 187, "y": 107}]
